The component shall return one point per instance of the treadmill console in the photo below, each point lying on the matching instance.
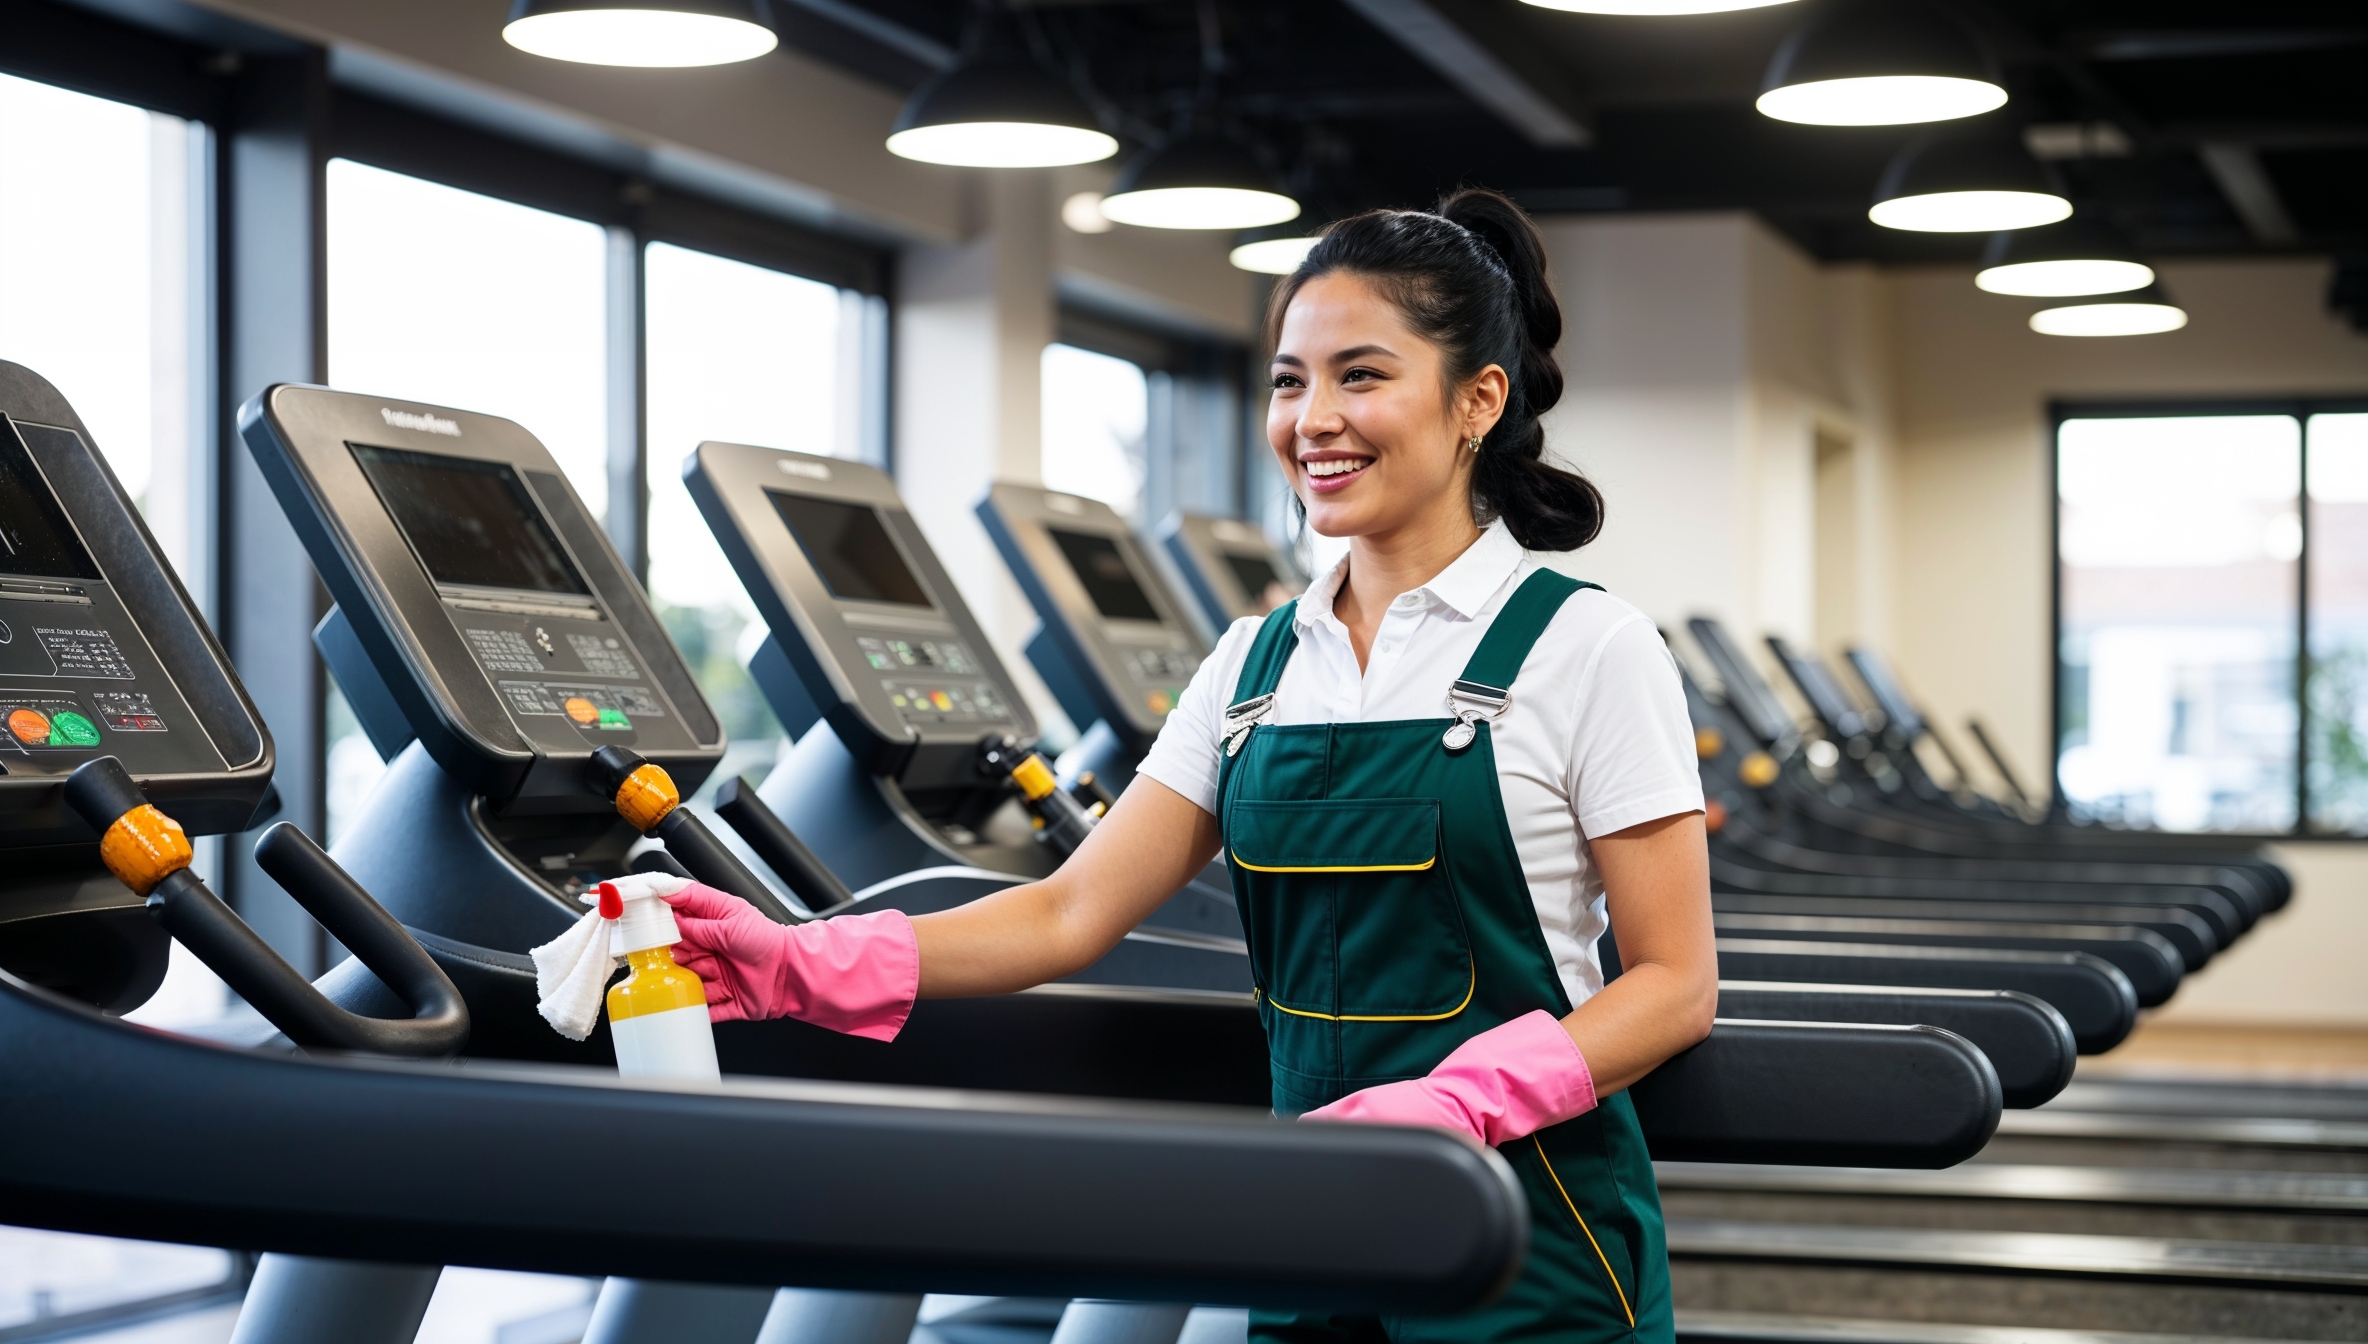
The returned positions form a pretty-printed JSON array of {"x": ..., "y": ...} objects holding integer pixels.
[
  {"x": 1232, "y": 567},
  {"x": 1116, "y": 645},
  {"x": 480, "y": 607},
  {"x": 101, "y": 652},
  {"x": 868, "y": 627}
]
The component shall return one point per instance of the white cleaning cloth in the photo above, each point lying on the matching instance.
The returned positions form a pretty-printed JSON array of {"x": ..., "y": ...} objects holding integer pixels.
[{"x": 572, "y": 970}]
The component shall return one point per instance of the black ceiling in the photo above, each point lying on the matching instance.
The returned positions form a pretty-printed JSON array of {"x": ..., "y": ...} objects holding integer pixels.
[{"x": 2210, "y": 127}]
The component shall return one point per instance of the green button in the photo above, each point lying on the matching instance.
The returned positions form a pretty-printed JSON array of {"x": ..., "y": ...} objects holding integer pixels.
[
  {"x": 72, "y": 730},
  {"x": 610, "y": 718}
]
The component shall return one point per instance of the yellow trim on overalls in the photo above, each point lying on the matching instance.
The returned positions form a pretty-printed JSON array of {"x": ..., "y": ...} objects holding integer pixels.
[
  {"x": 1469, "y": 990},
  {"x": 1424, "y": 866},
  {"x": 1594, "y": 1245}
]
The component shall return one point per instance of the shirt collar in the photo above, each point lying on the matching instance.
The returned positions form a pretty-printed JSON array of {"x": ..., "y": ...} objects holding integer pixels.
[{"x": 1465, "y": 586}]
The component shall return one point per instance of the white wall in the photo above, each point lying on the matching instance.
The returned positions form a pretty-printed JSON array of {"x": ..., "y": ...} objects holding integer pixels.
[{"x": 1703, "y": 355}]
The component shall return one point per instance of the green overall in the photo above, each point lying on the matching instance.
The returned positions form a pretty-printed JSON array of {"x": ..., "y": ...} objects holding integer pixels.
[{"x": 1389, "y": 922}]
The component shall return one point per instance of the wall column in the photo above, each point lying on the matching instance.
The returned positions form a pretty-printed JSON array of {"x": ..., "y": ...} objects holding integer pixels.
[
  {"x": 273, "y": 311},
  {"x": 972, "y": 321}
]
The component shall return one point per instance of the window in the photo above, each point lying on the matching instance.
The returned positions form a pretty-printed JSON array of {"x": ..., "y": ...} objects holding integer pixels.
[
  {"x": 445, "y": 296},
  {"x": 96, "y": 285},
  {"x": 2191, "y": 561},
  {"x": 2337, "y": 749},
  {"x": 742, "y": 354},
  {"x": 1096, "y": 416}
]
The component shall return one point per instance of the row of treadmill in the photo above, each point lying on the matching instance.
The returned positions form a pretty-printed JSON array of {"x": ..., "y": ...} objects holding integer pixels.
[{"x": 1901, "y": 960}]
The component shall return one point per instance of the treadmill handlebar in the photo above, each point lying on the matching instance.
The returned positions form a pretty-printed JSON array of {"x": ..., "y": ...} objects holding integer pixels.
[
  {"x": 809, "y": 878},
  {"x": 646, "y": 798},
  {"x": 148, "y": 851},
  {"x": 1061, "y": 820}
]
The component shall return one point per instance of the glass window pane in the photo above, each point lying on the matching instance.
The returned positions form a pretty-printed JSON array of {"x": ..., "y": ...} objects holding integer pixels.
[
  {"x": 1096, "y": 411},
  {"x": 746, "y": 355},
  {"x": 2339, "y": 622},
  {"x": 95, "y": 284},
  {"x": 2178, "y": 540},
  {"x": 446, "y": 296}
]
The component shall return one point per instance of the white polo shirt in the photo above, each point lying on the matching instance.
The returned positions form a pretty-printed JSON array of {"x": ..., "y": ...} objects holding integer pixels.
[{"x": 1596, "y": 739}]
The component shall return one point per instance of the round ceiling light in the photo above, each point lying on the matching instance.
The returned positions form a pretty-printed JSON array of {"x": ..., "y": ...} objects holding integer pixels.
[
  {"x": 1653, "y": 7},
  {"x": 2067, "y": 260},
  {"x": 1966, "y": 185},
  {"x": 1272, "y": 256},
  {"x": 996, "y": 108},
  {"x": 1197, "y": 182},
  {"x": 649, "y": 33},
  {"x": 2144, "y": 313},
  {"x": 1880, "y": 63},
  {"x": 2071, "y": 277}
]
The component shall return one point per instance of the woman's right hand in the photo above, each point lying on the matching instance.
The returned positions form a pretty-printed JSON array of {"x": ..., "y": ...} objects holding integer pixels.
[{"x": 857, "y": 974}]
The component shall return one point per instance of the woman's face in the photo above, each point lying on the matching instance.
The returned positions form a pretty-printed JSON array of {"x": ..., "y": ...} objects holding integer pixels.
[{"x": 1362, "y": 421}]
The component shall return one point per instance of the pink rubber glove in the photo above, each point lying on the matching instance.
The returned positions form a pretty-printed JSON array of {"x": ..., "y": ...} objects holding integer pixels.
[
  {"x": 858, "y": 974},
  {"x": 1504, "y": 1084}
]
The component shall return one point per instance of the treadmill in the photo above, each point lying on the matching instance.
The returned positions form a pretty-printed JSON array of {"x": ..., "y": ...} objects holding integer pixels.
[
  {"x": 1232, "y": 568},
  {"x": 1113, "y": 642}
]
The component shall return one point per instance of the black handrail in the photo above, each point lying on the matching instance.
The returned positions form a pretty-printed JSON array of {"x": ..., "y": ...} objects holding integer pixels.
[
  {"x": 809, "y": 879},
  {"x": 102, "y": 792}
]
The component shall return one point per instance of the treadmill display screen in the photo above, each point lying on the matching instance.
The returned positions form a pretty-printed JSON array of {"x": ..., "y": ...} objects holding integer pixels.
[
  {"x": 471, "y": 522},
  {"x": 850, "y": 547},
  {"x": 1103, "y": 571},
  {"x": 1253, "y": 574},
  {"x": 35, "y": 537}
]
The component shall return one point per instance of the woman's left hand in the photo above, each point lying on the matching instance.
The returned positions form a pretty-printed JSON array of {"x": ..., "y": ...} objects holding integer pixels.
[{"x": 1504, "y": 1084}]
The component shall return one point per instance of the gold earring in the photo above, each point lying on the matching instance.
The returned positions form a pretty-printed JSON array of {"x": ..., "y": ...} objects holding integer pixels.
[{"x": 1473, "y": 443}]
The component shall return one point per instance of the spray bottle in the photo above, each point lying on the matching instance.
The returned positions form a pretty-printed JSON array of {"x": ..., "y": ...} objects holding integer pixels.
[{"x": 657, "y": 1015}]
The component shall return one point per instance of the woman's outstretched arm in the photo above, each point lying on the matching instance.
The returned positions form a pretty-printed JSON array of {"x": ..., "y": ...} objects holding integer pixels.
[
  {"x": 1151, "y": 844},
  {"x": 1656, "y": 884}
]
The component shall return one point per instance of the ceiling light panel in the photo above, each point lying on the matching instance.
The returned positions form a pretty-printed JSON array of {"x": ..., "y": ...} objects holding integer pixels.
[{"x": 655, "y": 37}]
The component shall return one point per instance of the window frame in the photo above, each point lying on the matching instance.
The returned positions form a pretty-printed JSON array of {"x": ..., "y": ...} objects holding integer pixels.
[{"x": 2298, "y": 408}]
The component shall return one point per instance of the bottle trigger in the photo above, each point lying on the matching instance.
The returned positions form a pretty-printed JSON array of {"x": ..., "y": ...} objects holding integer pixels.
[{"x": 612, "y": 902}]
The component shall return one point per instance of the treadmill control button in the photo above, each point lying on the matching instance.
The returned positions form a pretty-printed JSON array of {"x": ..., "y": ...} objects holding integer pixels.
[
  {"x": 47, "y": 721},
  {"x": 503, "y": 651},
  {"x": 85, "y": 651},
  {"x": 602, "y": 657},
  {"x": 126, "y": 712}
]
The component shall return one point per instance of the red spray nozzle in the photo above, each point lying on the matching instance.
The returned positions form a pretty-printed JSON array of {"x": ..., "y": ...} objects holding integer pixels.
[{"x": 612, "y": 904}]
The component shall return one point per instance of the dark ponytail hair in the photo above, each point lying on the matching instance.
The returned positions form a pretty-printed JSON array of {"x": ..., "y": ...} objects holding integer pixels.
[{"x": 1470, "y": 277}]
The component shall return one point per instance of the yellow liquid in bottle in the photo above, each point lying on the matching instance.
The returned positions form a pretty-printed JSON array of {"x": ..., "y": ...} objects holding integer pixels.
[{"x": 657, "y": 985}]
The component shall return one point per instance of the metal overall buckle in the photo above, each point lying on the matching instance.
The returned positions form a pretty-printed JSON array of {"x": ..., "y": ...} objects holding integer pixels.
[
  {"x": 1472, "y": 702},
  {"x": 1240, "y": 718}
]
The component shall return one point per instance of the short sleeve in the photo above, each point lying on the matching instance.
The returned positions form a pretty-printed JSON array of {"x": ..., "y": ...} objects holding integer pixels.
[
  {"x": 1632, "y": 743},
  {"x": 1185, "y": 755}
]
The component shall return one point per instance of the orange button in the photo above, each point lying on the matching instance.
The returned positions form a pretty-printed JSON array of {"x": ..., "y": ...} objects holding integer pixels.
[
  {"x": 582, "y": 710},
  {"x": 1159, "y": 702},
  {"x": 1758, "y": 770},
  {"x": 31, "y": 726},
  {"x": 940, "y": 699},
  {"x": 1709, "y": 742}
]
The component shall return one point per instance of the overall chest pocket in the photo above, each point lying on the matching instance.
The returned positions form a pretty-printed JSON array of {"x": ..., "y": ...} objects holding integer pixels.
[{"x": 1350, "y": 908}]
